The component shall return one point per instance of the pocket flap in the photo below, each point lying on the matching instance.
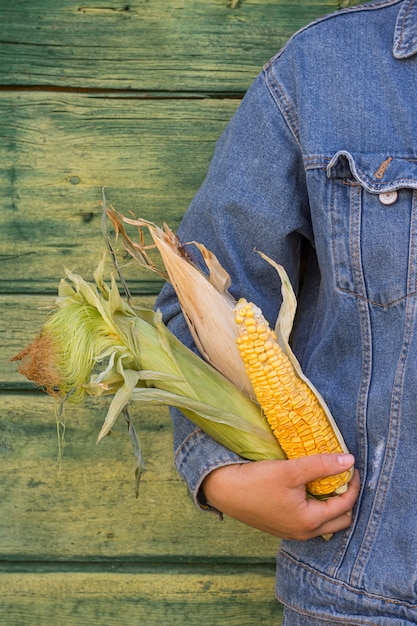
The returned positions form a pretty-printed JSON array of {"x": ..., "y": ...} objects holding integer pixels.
[{"x": 377, "y": 173}]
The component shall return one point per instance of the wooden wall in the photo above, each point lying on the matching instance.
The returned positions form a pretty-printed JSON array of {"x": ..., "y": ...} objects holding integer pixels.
[{"x": 130, "y": 95}]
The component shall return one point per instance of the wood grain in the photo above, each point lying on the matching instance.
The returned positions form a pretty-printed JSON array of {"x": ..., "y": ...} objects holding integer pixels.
[
  {"x": 60, "y": 151},
  {"x": 203, "y": 45},
  {"x": 84, "y": 509},
  {"x": 170, "y": 596}
]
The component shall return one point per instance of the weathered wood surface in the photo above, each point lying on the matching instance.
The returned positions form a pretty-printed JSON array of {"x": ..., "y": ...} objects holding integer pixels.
[
  {"x": 178, "y": 596},
  {"x": 59, "y": 150},
  {"x": 84, "y": 508},
  {"x": 147, "y": 45}
]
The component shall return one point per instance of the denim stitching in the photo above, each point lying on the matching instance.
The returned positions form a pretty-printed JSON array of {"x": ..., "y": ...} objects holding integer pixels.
[
  {"x": 333, "y": 620},
  {"x": 343, "y": 585},
  {"x": 287, "y": 110},
  {"x": 394, "y": 422},
  {"x": 379, "y": 304},
  {"x": 184, "y": 444},
  {"x": 365, "y": 325},
  {"x": 355, "y": 239},
  {"x": 403, "y": 26},
  {"x": 333, "y": 234}
]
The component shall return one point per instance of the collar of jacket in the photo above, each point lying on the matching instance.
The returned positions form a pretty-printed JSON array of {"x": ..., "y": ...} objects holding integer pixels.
[{"x": 405, "y": 35}]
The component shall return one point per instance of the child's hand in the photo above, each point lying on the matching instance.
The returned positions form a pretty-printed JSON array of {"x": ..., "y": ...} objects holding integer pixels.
[{"x": 271, "y": 495}]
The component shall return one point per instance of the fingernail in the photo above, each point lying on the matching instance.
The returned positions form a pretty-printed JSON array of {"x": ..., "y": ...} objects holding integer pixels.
[{"x": 346, "y": 460}]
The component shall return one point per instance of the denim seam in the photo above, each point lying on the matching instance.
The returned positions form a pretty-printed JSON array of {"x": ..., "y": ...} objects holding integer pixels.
[
  {"x": 338, "y": 583},
  {"x": 394, "y": 424},
  {"x": 355, "y": 241},
  {"x": 184, "y": 443},
  {"x": 316, "y": 161},
  {"x": 400, "y": 39},
  {"x": 324, "y": 618},
  {"x": 362, "y": 303},
  {"x": 287, "y": 110},
  {"x": 378, "y": 304},
  {"x": 361, "y": 412},
  {"x": 333, "y": 234}
]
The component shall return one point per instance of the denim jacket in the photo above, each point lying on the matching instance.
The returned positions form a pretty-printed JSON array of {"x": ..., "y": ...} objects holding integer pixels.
[{"x": 318, "y": 169}]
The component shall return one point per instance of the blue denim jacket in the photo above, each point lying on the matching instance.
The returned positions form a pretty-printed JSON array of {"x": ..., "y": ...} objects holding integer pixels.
[{"x": 318, "y": 169}]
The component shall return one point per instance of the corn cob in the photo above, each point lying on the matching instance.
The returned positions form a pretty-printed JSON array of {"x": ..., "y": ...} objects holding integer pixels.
[{"x": 293, "y": 411}]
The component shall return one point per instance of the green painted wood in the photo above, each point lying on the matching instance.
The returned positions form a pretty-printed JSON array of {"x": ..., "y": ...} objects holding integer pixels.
[
  {"x": 174, "y": 597},
  {"x": 183, "y": 45},
  {"x": 84, "y": 509},
  {"x": 116, "y": 94},
  {"x": 58, "y": 151}
]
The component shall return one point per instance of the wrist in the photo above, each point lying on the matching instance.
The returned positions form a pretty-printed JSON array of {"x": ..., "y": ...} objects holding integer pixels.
[{"x": 218, "y": 483}]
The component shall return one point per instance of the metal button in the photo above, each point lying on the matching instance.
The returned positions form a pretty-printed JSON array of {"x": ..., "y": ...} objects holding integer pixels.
[{"x": 388, "y": 197}]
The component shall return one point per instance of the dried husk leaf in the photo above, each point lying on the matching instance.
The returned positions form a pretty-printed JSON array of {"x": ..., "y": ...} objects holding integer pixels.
[{"x": 204, "y": 298}]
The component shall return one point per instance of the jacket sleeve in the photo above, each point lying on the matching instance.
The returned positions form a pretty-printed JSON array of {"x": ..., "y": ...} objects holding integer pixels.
[{"x": 253, "y": 198}]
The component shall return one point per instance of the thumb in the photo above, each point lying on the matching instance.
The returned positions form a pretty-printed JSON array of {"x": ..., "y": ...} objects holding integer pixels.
[{"x": 309, "y": 468}]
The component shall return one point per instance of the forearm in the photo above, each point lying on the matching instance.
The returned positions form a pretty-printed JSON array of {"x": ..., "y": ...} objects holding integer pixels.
[{"x": 197, "y": 455}]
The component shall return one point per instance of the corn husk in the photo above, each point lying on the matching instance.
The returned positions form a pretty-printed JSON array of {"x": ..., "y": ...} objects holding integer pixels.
[
  {"x": 207, "y": 305},
  {"x": 94, "y": 343},
  {"x": 190, "y": 284},
  {"x": 205, "y": 300}
]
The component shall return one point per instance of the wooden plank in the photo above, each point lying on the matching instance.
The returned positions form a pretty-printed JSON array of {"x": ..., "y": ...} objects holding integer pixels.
[
  {"x": 177, "y": 596},
  {"x": 88, "y": 511},
  {"x": 183, "y": 45},
  {"x": 59, "y": 150}
]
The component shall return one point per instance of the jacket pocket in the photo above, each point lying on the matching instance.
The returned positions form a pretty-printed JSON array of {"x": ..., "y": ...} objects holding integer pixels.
[{"x": 373, "y": 225}]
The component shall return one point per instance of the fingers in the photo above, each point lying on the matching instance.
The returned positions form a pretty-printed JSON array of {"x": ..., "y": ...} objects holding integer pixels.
[
  {"x": 308, "y": 468},
  {"x": 335, "y": 513},
  {"x": 322, "y": 517}
]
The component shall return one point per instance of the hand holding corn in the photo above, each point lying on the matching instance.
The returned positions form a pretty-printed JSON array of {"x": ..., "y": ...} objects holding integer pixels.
[{"x": 271, "y": 496}]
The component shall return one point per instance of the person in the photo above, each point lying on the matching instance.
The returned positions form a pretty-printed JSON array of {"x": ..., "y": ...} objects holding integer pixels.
[{"x": 318, "y": 170}]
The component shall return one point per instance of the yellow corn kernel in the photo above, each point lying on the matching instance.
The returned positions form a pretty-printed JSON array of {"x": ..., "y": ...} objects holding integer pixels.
[{"x": 291, "y": 408}]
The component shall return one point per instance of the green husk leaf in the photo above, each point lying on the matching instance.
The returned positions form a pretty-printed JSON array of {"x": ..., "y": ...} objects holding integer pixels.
[
  {"x": 251, "y": 441},
  {"x": 120, "y": 400}
]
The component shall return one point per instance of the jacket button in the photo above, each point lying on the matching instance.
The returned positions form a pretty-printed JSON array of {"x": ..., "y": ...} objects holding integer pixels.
[{"x": 388, "y": 197}]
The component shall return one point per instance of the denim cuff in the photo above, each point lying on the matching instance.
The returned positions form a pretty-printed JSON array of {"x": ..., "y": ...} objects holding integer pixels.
[{"x": 199, "y": 455}]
